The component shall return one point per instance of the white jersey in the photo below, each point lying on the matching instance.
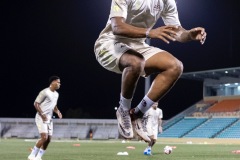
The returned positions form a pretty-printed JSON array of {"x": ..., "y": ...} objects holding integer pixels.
[
  {"x": 141, "y": 13},
  {"x": 47, "y": 100},
  {"x": 154, "y": 116}
]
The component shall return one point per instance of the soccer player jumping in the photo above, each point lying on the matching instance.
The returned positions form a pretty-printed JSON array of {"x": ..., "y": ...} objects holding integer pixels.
[{"x": 121, "y": 48}]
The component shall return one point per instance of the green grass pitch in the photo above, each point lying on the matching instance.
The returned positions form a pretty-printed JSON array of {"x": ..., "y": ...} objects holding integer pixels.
[{"x": 18, "y": 149}]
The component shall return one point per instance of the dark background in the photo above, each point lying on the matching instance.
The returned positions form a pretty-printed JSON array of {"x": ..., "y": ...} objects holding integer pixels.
[{"x": 56, "y": 37}]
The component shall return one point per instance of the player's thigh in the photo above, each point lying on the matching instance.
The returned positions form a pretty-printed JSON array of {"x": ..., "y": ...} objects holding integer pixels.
[
  {"x": 155, "y": 133},
  {"x": 149, "y": 127},
  {"x": 130, "y": 57},
  {"x": 109, "y": 52},
  {"x": 42, "y": 127},
  {"x": 50, "y": 128},
  {"x": 160, "y": 62}
]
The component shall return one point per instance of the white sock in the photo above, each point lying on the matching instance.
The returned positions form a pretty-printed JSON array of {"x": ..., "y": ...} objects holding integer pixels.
[
  {"x": 34, "y": 151},
  {"x": 40, "y": 153},
  {"x": 144, "y": 105},
  {"x": 125, "y": 103}
]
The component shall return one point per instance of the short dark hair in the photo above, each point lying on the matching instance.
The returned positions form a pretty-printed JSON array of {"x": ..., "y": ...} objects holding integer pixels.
[{"x": 53, "y": 78}]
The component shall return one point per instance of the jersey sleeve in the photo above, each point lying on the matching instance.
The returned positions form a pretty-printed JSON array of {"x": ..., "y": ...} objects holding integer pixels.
[
  {"x": 170, "y": 13},
  {"x": 118, "y": 9},
  {"x": 41, "y": 96}
]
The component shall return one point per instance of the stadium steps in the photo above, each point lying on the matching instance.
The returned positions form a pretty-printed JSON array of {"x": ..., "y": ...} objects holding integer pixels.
[
  {"x": 210, "y": 128},
  {"x": 236, "y": 120},
  {"x": 182, "y": 127},
  {"x": 233, "y": 131},
  {"x": 172, "y": 122},
  {"x": 194, "y": 128}
]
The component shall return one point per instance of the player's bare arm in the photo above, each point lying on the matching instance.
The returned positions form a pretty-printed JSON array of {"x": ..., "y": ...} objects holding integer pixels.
[
  {"x": 198, "y": 34},
  {"x": 165, "y": 33},
  {"x": 195, "y": 34},
  {"x": 160, "y": 126},
  {"x": 57, "y": 111},
  {"x": 119, "y": 27},
  {"x": 40, "y": 112}
]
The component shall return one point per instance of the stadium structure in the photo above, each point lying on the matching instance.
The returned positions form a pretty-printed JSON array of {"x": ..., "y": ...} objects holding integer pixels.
[{"x": 216, "y": 115}]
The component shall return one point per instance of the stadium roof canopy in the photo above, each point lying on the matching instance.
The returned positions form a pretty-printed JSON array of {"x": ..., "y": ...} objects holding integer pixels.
[{"x": 232, "y": 74}]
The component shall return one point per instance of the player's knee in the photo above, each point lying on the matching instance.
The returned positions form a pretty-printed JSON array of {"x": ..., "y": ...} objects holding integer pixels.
[
  {"x": 44, "y": 138},
  {"x": 49, "y": 140},
  {"x": 177, "y": 68},
  {"x": 154, "y": 140},
  {"x": 137, "y": 65}
]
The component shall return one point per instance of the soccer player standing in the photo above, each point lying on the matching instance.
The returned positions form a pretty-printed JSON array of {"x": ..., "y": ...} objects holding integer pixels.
[
  {"x": 45, "y": 104},
  {"x": 153, "y": 121}
]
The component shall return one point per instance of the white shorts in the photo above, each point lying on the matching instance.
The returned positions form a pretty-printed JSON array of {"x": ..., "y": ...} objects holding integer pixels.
[
  {"x": 152, "y": 130},
  {"x": 109, "y": 51},
  {"x": 44, "y": 127}
]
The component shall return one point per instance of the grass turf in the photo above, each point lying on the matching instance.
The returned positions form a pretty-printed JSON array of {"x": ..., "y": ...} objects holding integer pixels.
[{"x": 18, "y": 149}]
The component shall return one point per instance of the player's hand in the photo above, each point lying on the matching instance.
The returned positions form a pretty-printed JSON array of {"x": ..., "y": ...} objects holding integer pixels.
[
  {"x": 165, "y": 33},
  {"x": 44, "y": 117},
  {"x": 160, "y": 129},
  {"x": 59, "y": 114},
  {"x": 198, "y": 34}
]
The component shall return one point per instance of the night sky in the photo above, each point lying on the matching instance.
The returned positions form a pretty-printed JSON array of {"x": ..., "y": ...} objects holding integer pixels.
[{"x": 56, "y": 37}]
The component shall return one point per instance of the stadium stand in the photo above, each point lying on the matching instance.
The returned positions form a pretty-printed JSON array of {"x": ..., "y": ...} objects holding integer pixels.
[
  {"x": 106, "y": 132},
  {"x": 196, "y": 122},
  {"x": 210, "y": 128},
  {"x": 217, "y": 122},
  {"x": 182, "y": 127},
  {"x": 228, "y": 105},
  {"x": 231, "y": 132},
  {"x": 216, "y": 115},
  {"x": 63, "y": 128}
]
